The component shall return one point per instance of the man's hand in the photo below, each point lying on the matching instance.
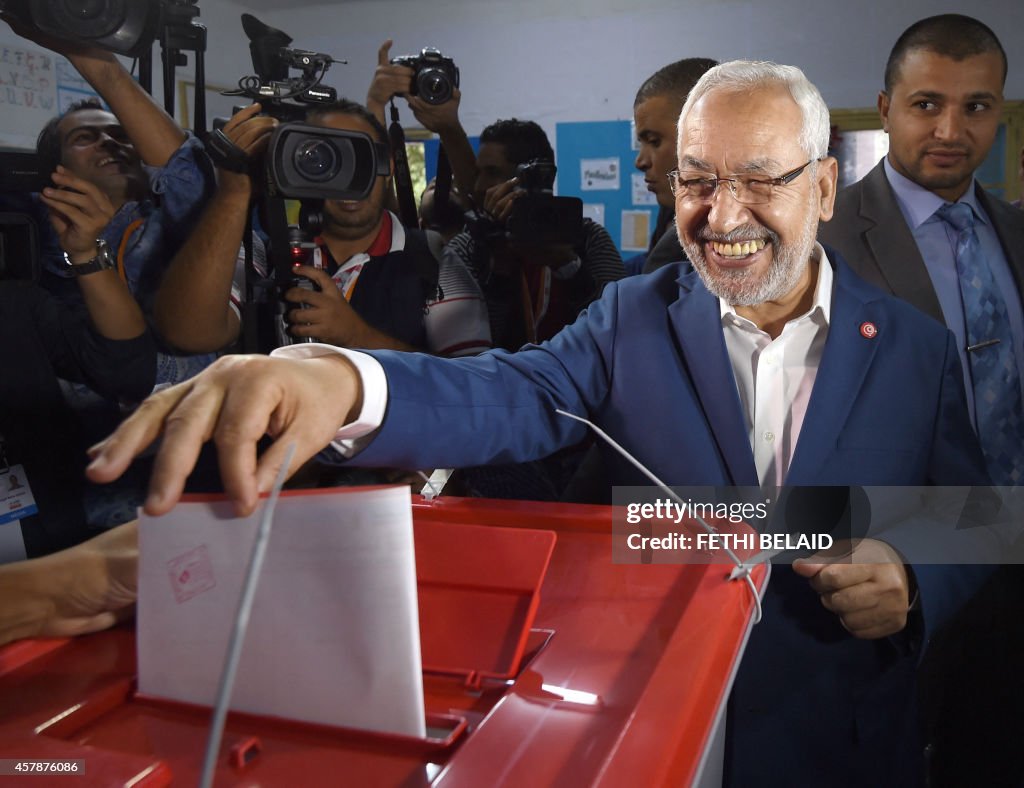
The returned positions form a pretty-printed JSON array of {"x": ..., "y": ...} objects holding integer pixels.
[
  {"x": 250, "y": 132},
  {"x": 866, "y": 586},
  {"x": 235, "y": 401},
  {"x": 327, "y": 317},
  {"x": 388, "y": 80},
  {"x": 439, "y": 118},
  {"x": 498, "y": 200},
  {"x": 78, "y": 212}
]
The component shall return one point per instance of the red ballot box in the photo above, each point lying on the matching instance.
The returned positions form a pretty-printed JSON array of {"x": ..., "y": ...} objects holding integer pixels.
[{"x": 612, "y": 674}]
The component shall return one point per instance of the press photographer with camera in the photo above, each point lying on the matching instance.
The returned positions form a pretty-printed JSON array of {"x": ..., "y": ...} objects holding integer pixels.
[
  {"x": 538, "y": 267},
  {"x": 429, "y": 84},
  {"x": 379, "y": 284},
  {"x": 154, "y": 175}
]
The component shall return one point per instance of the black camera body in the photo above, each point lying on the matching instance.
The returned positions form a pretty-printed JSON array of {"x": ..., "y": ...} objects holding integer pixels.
[
  {"x": 538, "y": 216},
  {"x": 313, "y": 162},
  {"x": 436, "y": 76},
  {"x": 127, "y": 27}
]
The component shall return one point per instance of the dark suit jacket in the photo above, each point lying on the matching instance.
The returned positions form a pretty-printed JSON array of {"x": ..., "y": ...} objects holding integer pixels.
[
  {"x": 869, "y": 230},
  {"x": 969, "y": 689},
  {"x": 648, "y": 362}
]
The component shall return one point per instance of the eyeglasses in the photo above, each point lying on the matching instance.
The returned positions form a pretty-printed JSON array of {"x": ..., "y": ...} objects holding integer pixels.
[{"x": 747, "y": 190}]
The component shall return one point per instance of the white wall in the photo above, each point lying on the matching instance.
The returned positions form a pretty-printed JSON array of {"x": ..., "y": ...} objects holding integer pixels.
[{"x": 564, "y": 60}]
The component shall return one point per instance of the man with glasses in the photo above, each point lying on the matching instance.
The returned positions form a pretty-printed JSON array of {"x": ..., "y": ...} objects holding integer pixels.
[{"x": 770, "y": 363}]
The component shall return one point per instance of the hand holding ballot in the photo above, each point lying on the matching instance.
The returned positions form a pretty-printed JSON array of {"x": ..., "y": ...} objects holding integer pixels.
[{"x": 235, "y": 402}]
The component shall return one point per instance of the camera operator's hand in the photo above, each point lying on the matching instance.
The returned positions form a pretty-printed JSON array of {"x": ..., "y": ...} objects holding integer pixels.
[
  {"x": 439, "y": 118},
  {"x": 78, "y": 212},
  {"x": 250, "y": 132},
  {"x": 388, "y": 80},
  {"x": 498, "y": 200},
  {"x": 328, "y": 317}
]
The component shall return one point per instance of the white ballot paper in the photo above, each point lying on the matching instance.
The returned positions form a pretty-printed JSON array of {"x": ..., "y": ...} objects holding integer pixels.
[{"x": 334, "y": 633}]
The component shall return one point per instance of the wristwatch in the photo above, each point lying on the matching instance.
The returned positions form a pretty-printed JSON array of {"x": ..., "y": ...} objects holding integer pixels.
[{"x": 101, "y": 262}]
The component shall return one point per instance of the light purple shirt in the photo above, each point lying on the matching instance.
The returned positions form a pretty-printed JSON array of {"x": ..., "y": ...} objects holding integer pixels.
[{"x": 936, "y": 241}]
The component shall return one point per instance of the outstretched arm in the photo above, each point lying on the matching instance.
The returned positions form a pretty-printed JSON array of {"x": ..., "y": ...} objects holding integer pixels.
[
  {"x": 235, "y": 401},
  {"x": 192, "y": 309},
  {"x": 83, "y": 589}
]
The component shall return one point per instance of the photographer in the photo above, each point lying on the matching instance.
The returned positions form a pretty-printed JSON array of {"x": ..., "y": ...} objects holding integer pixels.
[
  {"x": 394, "y": 79},
  {"x": 151, "y": 210},
  {"x": 376, "y": 283},
  {"x": 532, "y": 288}
]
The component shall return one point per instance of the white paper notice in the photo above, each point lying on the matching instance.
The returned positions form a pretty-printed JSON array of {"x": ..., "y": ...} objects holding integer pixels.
[
  {"x": 636, "y": 230},
  {"x": 334, "y": 632},
  {"x": 596, "y": 174},
  {"x": 594, "y": 211},
  {"x": 641, "y": 196}
]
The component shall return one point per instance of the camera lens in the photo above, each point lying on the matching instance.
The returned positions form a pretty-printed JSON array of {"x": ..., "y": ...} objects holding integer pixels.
[
  {"x": 316, "y": 160},
  {"x": 433, "y": 86},
  {"x": 85, "y": 18},
  {"x": 85, "y": 9}
]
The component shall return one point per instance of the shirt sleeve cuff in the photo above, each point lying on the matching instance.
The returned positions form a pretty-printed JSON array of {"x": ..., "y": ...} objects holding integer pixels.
[{"x": 352, "y": 437}]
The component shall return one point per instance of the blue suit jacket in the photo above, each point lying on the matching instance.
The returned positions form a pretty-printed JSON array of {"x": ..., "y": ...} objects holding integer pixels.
[{"x": 648, "y": 363}]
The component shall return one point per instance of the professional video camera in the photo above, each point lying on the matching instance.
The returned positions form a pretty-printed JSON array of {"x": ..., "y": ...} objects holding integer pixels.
[
  {"x": 537, "y": 217},
  {"x": 436, "y": 76},
  {"x": 127, "y": 27},
  {"x": 281, "y": 96},
  {"x": 302, "y": 161}
]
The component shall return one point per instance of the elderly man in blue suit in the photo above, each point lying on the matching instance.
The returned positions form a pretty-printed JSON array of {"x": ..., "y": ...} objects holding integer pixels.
[{"x": 771, "y": 363}]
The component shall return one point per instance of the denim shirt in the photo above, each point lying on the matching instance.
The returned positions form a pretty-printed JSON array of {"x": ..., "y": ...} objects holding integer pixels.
[{"x": 180, "y": 191}]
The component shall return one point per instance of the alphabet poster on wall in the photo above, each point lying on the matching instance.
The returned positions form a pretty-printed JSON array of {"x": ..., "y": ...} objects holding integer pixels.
[{"x": 35, "y": 85}]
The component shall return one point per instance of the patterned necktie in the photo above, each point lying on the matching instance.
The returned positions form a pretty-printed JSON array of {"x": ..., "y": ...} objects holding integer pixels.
[{"x": 993, "y": 365}]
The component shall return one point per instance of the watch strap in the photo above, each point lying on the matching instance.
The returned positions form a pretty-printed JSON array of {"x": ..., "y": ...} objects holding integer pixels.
[{"x": 100, "y": 262}]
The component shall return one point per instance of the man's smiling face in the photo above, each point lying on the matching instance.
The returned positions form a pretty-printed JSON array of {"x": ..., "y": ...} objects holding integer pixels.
[{"x": 750, "y": 254}]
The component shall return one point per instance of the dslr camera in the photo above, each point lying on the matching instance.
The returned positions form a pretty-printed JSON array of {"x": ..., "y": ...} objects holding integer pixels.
[
  {"x": 436, "y": 76},
  {"x": 538, "y": 216}
]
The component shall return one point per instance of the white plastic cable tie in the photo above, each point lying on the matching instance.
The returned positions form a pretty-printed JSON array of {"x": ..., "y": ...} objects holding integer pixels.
[
  {"x": 741, "y": 570},
  {"x": 234, "y": 651}
]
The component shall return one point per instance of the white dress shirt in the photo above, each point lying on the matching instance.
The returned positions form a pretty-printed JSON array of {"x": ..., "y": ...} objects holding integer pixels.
[{"x": 775, "y": 377}]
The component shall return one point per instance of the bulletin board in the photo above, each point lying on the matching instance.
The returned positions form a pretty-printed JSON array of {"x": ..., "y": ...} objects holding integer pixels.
[
  {"x": 35, "y": 85},
  {"x": 595, "y": 163}
]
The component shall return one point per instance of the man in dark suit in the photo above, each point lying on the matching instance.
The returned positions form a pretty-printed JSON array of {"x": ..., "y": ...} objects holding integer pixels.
[
  {"x": 941, "y": 109},
  {"x": 771, "y": 363}
]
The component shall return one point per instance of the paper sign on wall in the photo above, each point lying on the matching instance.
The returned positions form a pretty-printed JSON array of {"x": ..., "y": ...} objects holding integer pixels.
[
  {"x": 598, "y": 174},
  {"x": 636, "y": 230},
  {"x": 594, "y": 211},
  {"x": 640, "y": 194}
]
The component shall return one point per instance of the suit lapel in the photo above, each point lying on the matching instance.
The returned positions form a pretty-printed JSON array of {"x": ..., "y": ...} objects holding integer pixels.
[
  {"x": 697, "y": 322},
  {"x": 1008, "y": 222},
  {"x": 844, "y": 364},
  {"x": 893, "y": 245}
]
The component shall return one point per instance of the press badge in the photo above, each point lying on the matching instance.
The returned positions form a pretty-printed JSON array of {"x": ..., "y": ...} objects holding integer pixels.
[{"x": 16, "y": 499}]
